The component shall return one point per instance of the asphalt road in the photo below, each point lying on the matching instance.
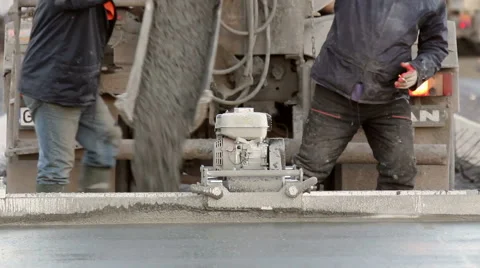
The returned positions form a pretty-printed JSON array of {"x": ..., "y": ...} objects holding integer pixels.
[
  {"x": 245, "y": 245},
  {"x": 470, "y": 98},
  {"x": 469, "y": 84}
]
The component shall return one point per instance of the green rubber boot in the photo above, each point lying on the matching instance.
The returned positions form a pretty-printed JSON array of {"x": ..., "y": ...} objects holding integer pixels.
[
  {"x": 95, "y": 180},
  {"x": 50, "y": 188}
]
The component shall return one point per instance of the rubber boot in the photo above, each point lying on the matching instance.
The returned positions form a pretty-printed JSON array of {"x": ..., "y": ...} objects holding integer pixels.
[
  {"x": 50, "y": 188},
  {"x": 95, "y": 180}
]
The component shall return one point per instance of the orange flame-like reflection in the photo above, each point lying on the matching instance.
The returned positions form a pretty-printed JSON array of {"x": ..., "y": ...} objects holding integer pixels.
[{"x": 422, "y": 91}]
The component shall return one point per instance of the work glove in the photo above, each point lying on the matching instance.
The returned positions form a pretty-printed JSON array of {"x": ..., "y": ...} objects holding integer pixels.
[{"x": 408, "y": 79}]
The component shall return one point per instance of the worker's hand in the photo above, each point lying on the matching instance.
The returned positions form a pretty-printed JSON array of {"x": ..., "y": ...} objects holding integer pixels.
[{"x": 407, "y": 79}]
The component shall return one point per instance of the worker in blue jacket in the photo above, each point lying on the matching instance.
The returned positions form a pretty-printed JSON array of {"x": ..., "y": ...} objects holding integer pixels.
[
  {"x": 363, "y": 75},
  {"x": 59, "y": 84}
]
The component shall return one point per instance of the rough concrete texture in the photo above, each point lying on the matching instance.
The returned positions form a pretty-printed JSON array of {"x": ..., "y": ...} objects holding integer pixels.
[
  {"x": 396, "y": 203},
  {"x": 66, "y": 203},
  {"x": 173, "y": 79},
  {"x": 187, "y": 207}
]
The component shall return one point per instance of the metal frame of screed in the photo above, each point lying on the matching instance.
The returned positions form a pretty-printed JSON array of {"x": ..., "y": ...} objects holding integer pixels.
[{"x": 15, "y": 208}]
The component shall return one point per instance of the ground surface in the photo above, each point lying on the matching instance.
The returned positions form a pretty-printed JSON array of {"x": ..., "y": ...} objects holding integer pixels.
[
  {"x": 469, "y": 105},
  {"x": 245, "y": 245}
]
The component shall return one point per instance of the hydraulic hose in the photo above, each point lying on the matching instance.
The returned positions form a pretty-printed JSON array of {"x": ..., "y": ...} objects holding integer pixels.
[
  {"x": 258, "y": 30},
  {"x": 265, "y": 68},
  {"x": 252, "y": 18}
]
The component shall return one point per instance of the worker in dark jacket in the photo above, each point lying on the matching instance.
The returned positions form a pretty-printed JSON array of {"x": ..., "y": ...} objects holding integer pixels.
[
  {"x": 363, "y": 75},
  {"x": 59, "y": 83}
]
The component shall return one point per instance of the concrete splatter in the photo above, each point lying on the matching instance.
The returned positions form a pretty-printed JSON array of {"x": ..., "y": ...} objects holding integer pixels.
[{"x": 173, "y": 79}]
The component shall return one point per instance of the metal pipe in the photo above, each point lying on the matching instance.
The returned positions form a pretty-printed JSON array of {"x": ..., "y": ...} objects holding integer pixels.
[
  {"x": 253, "y": 173},
  {"x": 264, "y": 74},
  {"x": 118, "y": 3},
  {"x": 10, "y": 119},
  {"x": 125, "y": 103},
  {"x": 16, "y": 67},
  {"x": 305, "y": 86},
  {"x": 355, "y": 153},
  {"x": 6, "y": 89},
  {"x": 361, "y": 153}
]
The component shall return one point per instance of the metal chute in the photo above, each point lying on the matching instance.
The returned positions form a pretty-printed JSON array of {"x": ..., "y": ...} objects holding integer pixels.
[{"x": 173, "y": 66}]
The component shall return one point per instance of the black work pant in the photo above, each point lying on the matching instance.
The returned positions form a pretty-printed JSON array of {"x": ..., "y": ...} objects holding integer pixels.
[{"x": 334, "y": 120}]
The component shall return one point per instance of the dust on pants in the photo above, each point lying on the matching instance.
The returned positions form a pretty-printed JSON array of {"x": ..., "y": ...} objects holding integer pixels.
[
  {"x": 59, "y": 127},
  {"x": 334, "y": 120}
]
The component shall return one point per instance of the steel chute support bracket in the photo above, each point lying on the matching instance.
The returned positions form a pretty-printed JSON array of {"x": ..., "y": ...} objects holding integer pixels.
[{"x": 125, "y": 102}]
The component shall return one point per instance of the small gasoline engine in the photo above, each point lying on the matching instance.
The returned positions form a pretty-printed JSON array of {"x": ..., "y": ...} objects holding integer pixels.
[{"x": 245, "y": 160}]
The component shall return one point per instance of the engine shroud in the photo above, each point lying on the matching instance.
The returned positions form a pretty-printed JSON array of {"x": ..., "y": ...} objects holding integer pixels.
[
  {"x": 246, "y": 161},
  {"x": 242, "y": 146}
]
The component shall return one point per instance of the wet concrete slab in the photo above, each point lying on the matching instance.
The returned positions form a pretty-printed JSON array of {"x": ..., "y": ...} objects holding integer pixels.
[{"x": 385, "y": 244}]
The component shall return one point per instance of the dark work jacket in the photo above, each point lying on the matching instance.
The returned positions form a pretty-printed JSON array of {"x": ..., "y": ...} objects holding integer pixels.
[
  {"x": 370, "y": 38},
  {"x": 63, "y": 60}
]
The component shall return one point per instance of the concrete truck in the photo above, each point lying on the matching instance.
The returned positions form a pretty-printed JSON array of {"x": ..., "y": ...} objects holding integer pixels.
[
  {"x": 466, "y": 15},
  {"x": 264, "y": 68}
]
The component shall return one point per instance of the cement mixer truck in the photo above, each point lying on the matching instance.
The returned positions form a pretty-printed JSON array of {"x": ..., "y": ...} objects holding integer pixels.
[
  {"x": 261, "y": 53},
  {"x": 466, "y": 15}
]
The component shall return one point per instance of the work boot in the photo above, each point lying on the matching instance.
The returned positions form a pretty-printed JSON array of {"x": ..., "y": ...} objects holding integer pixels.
[
  {"x": 95, "y": 180},
  {"x": 50, "y": 188}
]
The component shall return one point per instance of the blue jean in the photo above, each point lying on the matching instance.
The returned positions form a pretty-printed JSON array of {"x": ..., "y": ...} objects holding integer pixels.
[
  {"x": 334, "y": 120},
  {"x": 59, "y": 127}
]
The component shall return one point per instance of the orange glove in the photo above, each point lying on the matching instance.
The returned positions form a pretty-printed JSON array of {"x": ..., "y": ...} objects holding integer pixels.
[
  {"x": 407, "y": 79},
  {"x": 110, "y": 9}
]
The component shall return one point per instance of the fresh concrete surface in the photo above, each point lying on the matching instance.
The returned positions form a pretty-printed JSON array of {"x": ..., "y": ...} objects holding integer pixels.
[{"x": 385, "y": 244}]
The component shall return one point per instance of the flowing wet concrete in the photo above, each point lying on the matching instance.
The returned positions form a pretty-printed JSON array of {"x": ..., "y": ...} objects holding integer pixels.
[{"x": 385, "y": 244}]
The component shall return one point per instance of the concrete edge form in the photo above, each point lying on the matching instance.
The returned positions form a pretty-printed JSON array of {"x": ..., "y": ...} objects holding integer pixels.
[
  {"x": 388, "y": 204},
  {"x": 24, "y": 205},
  {"x": 392, "y": 204}
]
